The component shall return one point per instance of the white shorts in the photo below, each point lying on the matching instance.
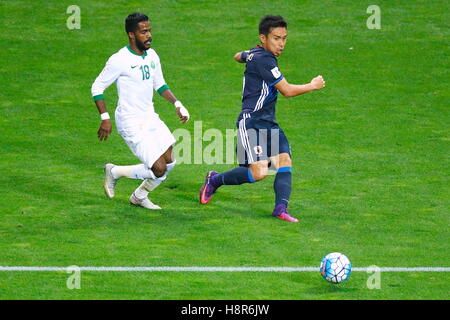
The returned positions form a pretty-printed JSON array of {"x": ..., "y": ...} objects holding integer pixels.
[{"x": 147, "y": 138}]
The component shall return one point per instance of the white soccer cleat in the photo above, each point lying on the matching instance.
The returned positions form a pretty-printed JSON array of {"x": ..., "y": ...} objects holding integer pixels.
[
  {"x": 146, "y": 203},
  {"x": 110, "y": 182}
]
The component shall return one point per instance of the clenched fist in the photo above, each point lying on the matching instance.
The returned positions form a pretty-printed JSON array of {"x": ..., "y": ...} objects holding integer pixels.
[{"x": 318, "y": 83}]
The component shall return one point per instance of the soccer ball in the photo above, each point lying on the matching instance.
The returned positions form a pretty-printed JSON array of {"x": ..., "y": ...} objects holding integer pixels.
[{"x": 335, "y": 267}]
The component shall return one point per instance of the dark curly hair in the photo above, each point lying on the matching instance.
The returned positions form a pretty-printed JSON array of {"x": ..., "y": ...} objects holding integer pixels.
[
  {"x": 132, "y": 21},
  {"x": 269, "y": 22}
]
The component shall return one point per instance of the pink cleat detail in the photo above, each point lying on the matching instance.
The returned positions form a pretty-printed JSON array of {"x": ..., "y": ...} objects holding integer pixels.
[
  {"x": 280, "y": 212},
  {"x": 287, "y": 217},
  {"x": 207, "y": 190}
]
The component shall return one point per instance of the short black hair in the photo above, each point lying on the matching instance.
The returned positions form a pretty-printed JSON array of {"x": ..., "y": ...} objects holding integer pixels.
[
  {"x": 131, "y": 22},
  {"x": 269, "y": 22}
]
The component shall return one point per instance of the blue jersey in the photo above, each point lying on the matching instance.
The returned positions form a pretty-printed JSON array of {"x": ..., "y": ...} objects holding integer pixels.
[{"x": 259, "y": 94}]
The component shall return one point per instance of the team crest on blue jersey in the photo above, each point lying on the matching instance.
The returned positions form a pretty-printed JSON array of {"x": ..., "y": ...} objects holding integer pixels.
[{"x": 258, "y": 150}]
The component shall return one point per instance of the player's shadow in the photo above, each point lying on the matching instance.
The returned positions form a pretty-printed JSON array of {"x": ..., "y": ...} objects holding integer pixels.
[
  {"x": 330, "y": 288},
  {"x": 244, "y": 203}
]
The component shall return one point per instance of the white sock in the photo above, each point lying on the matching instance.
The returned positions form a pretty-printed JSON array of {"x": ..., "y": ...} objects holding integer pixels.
[
  {"x": 148, "y": 185},
  {"x": 138, "y": 171},
  {"x": 151, "y": 184}
]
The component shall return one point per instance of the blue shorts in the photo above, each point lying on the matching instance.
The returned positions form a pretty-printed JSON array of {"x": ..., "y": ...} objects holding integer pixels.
[{"x": 259, "y": 140}]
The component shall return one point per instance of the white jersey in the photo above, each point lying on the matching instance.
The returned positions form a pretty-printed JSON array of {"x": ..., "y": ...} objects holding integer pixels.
[{"x": 136, "y": 77}]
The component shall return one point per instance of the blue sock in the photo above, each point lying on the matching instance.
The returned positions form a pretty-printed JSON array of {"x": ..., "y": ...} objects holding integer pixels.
[
  {"x": 283, "y": 186},
  {"x": 234, "y": 176}
]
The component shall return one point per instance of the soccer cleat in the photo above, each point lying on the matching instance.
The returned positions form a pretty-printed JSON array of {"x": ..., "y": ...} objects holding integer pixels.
[
  {"x": 145, "y": 203},
  {"x": 280, "y": 212},
  {"x": 110, "y": 182},
  {"x": 208, "y": 189},
  {"x": 287, "y": 217}
]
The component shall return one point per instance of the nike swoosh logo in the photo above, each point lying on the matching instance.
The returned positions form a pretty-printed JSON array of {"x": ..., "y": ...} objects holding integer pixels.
[{"x": 132, "y": 67}]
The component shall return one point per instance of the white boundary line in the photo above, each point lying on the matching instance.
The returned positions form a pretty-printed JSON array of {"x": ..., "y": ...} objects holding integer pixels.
[{"x": 218, "y": 269}]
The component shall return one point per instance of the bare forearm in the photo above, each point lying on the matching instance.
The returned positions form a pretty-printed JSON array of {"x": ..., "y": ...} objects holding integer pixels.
[
  {"x": 169, "y": 96},
  {"x": 181, "y": 111},
  {"x": 105, "y": 125},
  {"x": 298, "y": 89},
  {"x": 101, "y": 106},
  {"x": 291, "y": 90}
]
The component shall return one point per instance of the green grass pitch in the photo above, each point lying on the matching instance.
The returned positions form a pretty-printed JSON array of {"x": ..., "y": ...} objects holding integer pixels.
[{"x": 370, "y": 152}]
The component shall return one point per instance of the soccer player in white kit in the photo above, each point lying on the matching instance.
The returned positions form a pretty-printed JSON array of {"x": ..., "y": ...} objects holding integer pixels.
[{"x": 136, "y": 70}]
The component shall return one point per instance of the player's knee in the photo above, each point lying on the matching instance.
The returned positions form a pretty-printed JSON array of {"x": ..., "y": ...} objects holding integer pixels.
[
  {"x": 284, "y": 160},
  {"x": 159, "y": 170},
  {"x": 260, "y": 176},
  {"x": 259, "y": 172}
]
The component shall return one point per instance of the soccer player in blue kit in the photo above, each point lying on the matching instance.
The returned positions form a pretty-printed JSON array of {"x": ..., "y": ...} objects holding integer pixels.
[{"x": 261, "y": 142}]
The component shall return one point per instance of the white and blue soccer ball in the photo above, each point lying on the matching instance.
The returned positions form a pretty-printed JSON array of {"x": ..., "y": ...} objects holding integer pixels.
[{"x": 335, "y": 267}]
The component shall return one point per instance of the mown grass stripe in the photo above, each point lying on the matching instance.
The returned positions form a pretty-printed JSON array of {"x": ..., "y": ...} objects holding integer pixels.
[{"x": 219, "y": 269}]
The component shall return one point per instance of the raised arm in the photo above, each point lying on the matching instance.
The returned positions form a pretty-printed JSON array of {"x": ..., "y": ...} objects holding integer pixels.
[
  {"x": 241, "y": 56},
  {"x": 291, "y": 90}
]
